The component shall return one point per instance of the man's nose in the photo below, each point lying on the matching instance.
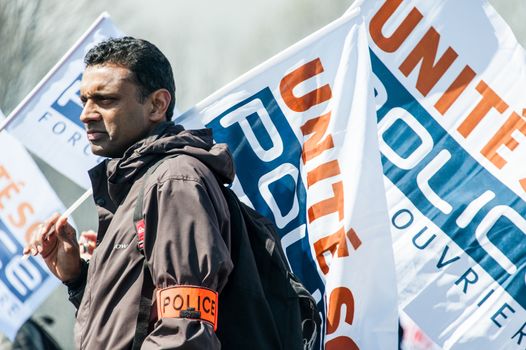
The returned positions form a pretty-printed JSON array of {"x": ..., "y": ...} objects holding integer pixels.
[{"x": 89, "y": 113}]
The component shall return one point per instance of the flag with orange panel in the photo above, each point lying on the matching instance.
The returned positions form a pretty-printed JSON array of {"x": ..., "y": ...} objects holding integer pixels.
[{"x": 302, "y": 129}]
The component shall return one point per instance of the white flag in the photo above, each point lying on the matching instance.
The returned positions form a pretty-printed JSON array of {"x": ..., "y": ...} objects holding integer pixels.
[
  {"x": 26, "y": 200},
  {"x": 302, "y": 130},
  {"x": 47, "y": 120},
  {"x": 450, "y": 87}
]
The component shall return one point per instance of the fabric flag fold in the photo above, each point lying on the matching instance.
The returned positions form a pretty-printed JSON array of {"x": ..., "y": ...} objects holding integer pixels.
[{"x": 302, "y": 129}]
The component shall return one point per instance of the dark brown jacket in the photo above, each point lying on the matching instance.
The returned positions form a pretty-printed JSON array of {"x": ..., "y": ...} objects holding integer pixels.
[{"x": 187, "y": 238}]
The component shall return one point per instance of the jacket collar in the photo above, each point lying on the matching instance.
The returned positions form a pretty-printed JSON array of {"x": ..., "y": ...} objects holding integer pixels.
[{"x": 166, "y": 139}]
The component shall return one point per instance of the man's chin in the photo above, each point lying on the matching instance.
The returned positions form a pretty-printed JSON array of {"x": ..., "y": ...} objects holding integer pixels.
[
  {"x": 99, "y": 150},
  {"x": 105, "y": 152}
]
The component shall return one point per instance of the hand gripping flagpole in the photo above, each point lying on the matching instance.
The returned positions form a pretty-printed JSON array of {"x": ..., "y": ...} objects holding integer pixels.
[{"x": 67, "y": 214}]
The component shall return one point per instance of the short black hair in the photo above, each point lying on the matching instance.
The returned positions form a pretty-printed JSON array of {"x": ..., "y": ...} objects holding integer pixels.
[{"x": 151, "y": 69}]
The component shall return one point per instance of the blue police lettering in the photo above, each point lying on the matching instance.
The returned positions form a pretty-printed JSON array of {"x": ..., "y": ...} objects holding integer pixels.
[
  {"x": 431, "y": 169},
  {"x": 414, "y": 146}
]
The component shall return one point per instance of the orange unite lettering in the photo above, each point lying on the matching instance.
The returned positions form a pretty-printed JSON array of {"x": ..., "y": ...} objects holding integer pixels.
[
  {"x": 21, "y": 209},
  {"x": 294, "y": 78},
  {"x": 339, "y": 296},
  {"x": 489, "y": 100},
  {"x": 392, "y": 43},
  {"x": 426, "y": 51},
  {"x": 341, "y": 343},
  {"x": 4, "y": 173},
  {"x": 330, "y": 205},
  {"x": 504, "y": 137},
  {"x": 335, "y": 243},
  {"x": 322, "y": 172},
  {"x": 315, "y": 145},
  {"x": 454, "y": 90}
]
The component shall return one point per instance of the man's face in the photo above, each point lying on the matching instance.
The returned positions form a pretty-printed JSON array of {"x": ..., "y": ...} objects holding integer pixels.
[{"x": 113, "y": 116}]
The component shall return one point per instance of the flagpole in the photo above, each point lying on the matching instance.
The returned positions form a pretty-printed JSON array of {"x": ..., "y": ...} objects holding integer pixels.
[
  {"x": 78, "y": 202},
  {"x": 66, "y": 214}
]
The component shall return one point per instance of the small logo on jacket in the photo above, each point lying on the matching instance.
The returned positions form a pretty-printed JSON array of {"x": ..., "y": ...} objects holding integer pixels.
[
  {"x": 120, "y": 246},
  {"x": 140, "y": 227}
]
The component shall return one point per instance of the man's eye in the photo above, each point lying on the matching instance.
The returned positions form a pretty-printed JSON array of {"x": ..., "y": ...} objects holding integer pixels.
[{"x": 107, "y": 101}]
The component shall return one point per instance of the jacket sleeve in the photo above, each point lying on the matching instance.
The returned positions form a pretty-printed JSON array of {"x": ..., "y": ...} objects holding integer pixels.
[
  {"x": 77, "y": 286},
  {"x": 186, "y": 243}
]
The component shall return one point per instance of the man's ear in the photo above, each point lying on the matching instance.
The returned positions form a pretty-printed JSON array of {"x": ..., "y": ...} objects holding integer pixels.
[{"x": 159, "y": 102}]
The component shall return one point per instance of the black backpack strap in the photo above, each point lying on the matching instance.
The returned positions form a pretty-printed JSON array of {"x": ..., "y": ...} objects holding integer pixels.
[
  {"x": 145, "y": 303},
  {"x": 145, "y": 306}
]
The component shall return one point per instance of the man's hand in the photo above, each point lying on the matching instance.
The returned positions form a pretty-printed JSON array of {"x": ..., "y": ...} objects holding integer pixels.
[
  {"x": 87, "y": 244},
  {"x": 59, "y": 249}
]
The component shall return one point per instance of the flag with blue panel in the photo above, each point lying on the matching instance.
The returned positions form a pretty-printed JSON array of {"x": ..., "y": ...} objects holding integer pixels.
[
  {"x": 302, "y": 129},
  {"x": 47, "y": 120},
  {"x": 26, "y": 200},
  {"x": 449, "y": 80}
]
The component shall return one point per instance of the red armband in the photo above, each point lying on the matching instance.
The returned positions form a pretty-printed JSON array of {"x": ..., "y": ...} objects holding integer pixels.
[{"x": 183, "y": 301}]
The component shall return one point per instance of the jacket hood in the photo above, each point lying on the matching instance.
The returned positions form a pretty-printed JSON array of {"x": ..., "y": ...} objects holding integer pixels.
[{"x": 168, "y": 139}]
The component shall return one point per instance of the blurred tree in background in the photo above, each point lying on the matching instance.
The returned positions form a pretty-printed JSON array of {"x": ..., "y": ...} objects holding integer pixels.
[{"x": 18, "y": 47}]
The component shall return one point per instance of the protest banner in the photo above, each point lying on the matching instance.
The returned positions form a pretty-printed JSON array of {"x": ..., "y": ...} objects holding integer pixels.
[
  {"x": 301, "y": 127},
  {"x": 26, "y": 200},
  {"x": 449, "y": 84},
  {"x": 47, "y": 120}
]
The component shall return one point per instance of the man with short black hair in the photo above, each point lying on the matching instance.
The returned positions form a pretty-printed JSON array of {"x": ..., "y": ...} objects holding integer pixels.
[{"x": 180, "y": 247}]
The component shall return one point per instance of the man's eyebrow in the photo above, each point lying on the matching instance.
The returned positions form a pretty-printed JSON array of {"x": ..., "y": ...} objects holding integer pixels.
[{"x": 96, "y": 95}]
